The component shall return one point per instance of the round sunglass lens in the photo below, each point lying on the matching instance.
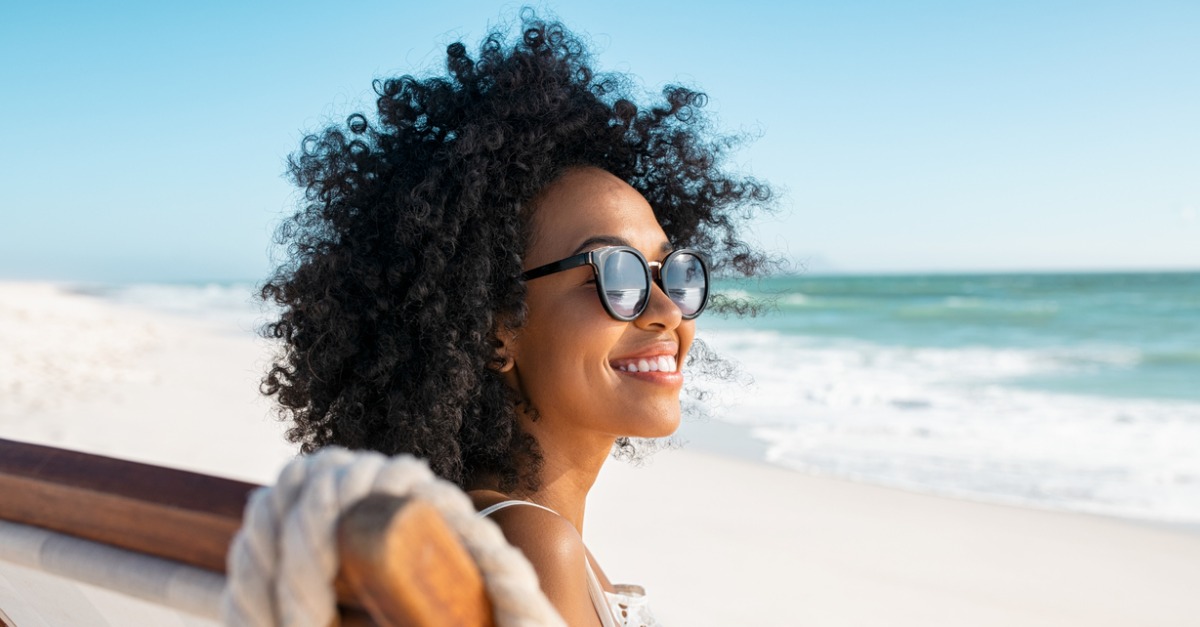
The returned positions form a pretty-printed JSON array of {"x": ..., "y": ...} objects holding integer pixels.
[
  {"x": 686, "y": 282},
  {"x": 625, "y": 284}
]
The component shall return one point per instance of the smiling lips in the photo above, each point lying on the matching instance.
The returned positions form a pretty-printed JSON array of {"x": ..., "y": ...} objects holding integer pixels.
[{"x": 660, "y": 363}]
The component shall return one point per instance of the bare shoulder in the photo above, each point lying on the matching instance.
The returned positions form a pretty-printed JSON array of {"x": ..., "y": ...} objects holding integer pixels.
[
  {"x": 555, "y": 549},
  {"x": 539, "y": 532}
]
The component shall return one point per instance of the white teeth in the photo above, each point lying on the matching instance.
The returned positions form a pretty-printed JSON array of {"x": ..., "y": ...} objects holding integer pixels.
[{"x": 662, "y": 363}]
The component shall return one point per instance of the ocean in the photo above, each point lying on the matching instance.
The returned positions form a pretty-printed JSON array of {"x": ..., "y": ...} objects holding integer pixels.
[{"x": 1076, "y": 392}]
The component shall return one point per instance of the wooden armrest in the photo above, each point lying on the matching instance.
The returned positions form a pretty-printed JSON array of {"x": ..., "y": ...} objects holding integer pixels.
[
  {"x": 407, "y": 567},
  {"x": 173, "y": 514}
]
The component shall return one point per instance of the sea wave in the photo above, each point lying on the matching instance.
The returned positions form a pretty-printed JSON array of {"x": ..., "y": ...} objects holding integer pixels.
[
  {"x": 948, "y": 421},
  {"x": 230, "y": 306},
  {"x": 965, "y": 309}
]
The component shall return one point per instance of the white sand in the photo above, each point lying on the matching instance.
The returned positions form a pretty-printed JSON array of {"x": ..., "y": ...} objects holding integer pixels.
[
  {"x": 715, "y": 540},
  {"x": 81, "y": 373}
]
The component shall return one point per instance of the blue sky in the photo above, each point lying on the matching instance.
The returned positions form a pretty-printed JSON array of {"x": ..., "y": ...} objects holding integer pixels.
[{"x": 146, "y": 140}]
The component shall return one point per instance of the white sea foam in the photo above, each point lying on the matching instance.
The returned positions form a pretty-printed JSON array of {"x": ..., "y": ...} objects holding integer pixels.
[
  {"x": 944, "y": 420},
  {"x": 229, "y": 306},
  {"x": 794, "y": 300}
]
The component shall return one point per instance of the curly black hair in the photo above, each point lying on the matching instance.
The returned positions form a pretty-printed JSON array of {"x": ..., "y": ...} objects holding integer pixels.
[{"x": 404, "y": 258}]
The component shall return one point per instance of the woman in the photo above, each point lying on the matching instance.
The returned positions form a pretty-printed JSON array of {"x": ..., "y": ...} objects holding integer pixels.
[{"x": 501, "y": 274}]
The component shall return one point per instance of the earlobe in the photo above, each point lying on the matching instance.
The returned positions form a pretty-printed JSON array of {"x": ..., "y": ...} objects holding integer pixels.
[{"x": 503, "y": 360}]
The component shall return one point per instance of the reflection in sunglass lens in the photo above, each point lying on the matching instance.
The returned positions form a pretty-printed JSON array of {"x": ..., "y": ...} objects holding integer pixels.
[
  {"x": 625, "y": 283},
  {"x": 685, "y": 282}
]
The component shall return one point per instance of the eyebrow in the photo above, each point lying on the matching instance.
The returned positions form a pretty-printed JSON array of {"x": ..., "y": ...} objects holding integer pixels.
[{"x": 612, "y": 240}]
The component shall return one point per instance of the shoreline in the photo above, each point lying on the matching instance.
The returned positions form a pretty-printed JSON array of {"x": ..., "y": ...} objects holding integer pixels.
[{"x": 736, "y": 441}]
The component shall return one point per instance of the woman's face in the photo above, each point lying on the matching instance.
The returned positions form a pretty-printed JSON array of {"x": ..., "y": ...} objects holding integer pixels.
[{"x": 568, "y": 356}]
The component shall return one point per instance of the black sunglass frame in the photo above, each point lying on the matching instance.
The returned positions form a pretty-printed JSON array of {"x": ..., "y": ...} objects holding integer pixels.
[{"x": 596, "y": 258}]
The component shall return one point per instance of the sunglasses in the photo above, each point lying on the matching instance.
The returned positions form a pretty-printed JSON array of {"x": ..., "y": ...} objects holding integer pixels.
[{"x": 623, "y": 279}]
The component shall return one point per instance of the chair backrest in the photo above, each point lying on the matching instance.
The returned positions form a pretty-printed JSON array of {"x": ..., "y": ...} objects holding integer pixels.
[{"x": 75, "y": 517}]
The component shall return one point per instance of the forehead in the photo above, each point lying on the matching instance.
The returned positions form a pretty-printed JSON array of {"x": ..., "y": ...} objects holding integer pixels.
[{"x": 586, "y": 203}]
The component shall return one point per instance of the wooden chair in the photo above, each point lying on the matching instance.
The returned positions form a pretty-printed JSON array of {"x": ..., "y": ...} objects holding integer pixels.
[{"x": 400, "y": 562}]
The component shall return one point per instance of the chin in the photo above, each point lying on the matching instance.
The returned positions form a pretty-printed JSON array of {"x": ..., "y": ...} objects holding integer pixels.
[{"x": 657, "y": 427}]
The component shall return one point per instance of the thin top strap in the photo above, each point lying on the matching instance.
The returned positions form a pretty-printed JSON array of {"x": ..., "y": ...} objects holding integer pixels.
[
  {"x": 503, "y": 504},
  {"x": 599, "y": 598}
]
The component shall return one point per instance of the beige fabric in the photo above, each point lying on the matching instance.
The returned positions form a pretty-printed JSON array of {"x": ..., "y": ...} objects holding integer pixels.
[{"x": 38, "y": 564}]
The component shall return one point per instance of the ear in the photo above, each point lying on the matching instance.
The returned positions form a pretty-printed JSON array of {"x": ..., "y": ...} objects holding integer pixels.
[
  {"x": 507, "y": 353},
  {"x": 505, "y": 357}
]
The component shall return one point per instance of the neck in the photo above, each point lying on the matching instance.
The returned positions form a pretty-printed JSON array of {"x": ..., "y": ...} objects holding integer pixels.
[
  {"x": 571, "y": 461},
  {"x": 566, "y": 477}
]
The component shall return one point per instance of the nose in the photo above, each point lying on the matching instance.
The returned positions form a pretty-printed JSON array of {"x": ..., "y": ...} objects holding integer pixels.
[{"x": 661, "y": 312}]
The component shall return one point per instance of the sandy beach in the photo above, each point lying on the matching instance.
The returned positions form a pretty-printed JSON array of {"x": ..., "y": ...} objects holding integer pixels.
[{"x": 715, "y": 537}]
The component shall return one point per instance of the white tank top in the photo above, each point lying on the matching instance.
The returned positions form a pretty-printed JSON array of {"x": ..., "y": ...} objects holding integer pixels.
[{"x": 626, "y": 607}]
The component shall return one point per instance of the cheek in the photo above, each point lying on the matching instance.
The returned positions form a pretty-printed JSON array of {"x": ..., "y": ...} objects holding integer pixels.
[
  {"x": 564, "y": 348},
  {"x": 562, "y": 326}
]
